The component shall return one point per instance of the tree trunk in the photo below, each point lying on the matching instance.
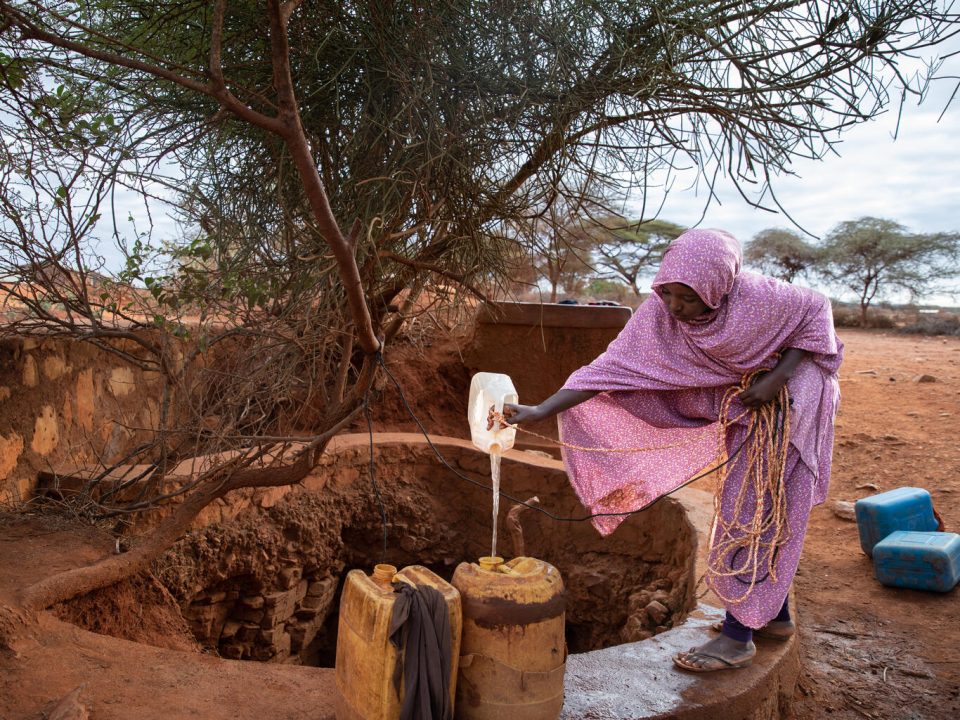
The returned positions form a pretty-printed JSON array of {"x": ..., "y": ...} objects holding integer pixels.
[
  {"x": 863, "y": 313},
  {"x": 66, "y": 585}
]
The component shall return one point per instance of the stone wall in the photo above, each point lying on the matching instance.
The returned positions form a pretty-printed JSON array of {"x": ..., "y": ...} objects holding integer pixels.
[
  {"x": 275, "y": 626},
  {"x": 262, "y": 584},
  {"x": 66, "y": 404},
  {"x": 539, "y": 345}
]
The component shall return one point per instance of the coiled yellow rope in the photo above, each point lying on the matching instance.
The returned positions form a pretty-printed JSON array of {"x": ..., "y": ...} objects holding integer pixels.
[{"x": 758, "y": 524}]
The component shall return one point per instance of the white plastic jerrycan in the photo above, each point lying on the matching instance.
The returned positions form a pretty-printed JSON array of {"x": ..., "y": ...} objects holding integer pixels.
[{"x": 486, "y": 390}]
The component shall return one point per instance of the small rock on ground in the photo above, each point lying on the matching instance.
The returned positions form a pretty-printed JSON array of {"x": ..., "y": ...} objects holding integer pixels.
[{"x": 843, "y": 509}]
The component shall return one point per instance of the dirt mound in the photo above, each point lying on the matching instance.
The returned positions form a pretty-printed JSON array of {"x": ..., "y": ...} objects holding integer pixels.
[
  {"x": 434, "y": 383},
  {"x": 11, "y": 624},
  {"x": 140, "y": 609}
]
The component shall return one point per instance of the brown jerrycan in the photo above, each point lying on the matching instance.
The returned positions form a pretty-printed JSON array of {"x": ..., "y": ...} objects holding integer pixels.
[
  {"x": 365, "y": 656},
  {"x": 513, "y": 652}
]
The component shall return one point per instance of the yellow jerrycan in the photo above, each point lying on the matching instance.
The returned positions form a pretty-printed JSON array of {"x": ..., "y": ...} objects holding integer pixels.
[
  {"x": 365, "y": 656},
  {"x": 513, "y": 652}
]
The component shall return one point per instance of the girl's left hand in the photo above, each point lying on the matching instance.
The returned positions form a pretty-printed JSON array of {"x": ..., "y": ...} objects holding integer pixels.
[{"x": 764, "y": 389}]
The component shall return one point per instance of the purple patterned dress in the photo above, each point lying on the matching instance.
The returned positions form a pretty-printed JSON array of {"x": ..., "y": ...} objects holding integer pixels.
[{"x": 662, "y": 381}]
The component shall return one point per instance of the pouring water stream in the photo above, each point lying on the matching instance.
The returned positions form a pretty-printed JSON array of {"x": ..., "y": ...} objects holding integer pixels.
[{"x": 495, "y": 475}]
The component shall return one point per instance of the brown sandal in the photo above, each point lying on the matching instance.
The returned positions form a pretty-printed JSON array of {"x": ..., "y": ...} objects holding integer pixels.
[{"x": 714, "y": 662}]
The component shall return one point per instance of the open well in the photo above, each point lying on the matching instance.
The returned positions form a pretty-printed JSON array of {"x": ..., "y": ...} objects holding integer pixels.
[{"x": 265, "y": 585}]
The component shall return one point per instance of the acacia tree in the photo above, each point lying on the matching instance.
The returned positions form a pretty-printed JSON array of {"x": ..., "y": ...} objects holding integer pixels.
[
  {"x": 554, "y": 246},
  {"x": 782, "y": 253},
  {"x": 872, "y": 256},
  {"x": 624, "y": 249},
  {"x": 328, "y": 157},
  {"x": 558, "y": 259},
  {"x": 60, "y": 170}
]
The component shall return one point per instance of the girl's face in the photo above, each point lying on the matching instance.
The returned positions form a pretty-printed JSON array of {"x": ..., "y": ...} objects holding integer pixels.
[{"x": 682, "y": 302}]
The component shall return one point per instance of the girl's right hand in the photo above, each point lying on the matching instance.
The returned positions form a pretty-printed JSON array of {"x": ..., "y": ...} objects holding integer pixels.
[
  {"x": 517, "y": 414},
  {"x": 558, "y": 402}
]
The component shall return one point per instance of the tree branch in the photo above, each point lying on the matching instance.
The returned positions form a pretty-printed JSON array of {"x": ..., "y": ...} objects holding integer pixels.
[
  {"x": 316, "y": 194},
  {"x": 430, "y": 267},
  {"x": 218, "y": 85}
]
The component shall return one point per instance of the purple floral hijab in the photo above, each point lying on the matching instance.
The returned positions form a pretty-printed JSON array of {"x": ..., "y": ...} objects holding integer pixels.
[{"x": 706, "y": 260}]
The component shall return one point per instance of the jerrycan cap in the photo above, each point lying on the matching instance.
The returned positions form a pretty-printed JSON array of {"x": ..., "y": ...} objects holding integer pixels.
[
  {"x": 383, "y": 574},
  {"x": 491, "y": 563},
  {"x": 495, "y": 564}
]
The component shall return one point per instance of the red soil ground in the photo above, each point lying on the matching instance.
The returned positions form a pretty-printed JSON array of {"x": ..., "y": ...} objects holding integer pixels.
[{"x": 867, "y": 651}]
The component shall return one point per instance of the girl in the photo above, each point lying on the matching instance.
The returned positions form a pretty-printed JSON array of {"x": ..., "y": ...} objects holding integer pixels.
[{"x": 661, "y": 384}]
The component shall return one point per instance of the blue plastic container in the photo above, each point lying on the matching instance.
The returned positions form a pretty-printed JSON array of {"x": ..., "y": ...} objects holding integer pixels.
[
  {"x": 918, "y": 560},
  {"x": 906, "y": 508}
]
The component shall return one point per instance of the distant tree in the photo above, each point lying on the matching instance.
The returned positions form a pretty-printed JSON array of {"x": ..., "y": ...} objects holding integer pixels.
[
  {"x": 606, "y": 289},
  {"x": 782, "y": 254},
  {"x": 562, "y": 265},
  {"x": 624, "y": 249},
  {"x": 872, "y": 256},
  {"x": 559, "y": 251}
]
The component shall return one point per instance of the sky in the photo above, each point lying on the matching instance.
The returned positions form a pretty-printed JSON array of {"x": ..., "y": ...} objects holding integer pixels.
[
  {"x": 901, "y": 165},
  {"x": 905, "y": 171},
  {"x": 907, "y": 175}
]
